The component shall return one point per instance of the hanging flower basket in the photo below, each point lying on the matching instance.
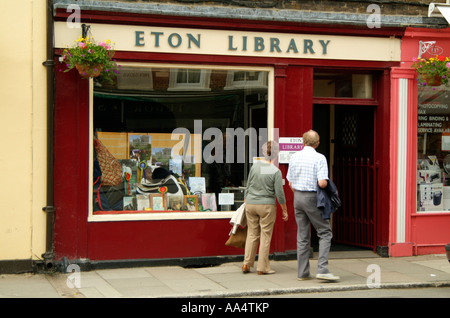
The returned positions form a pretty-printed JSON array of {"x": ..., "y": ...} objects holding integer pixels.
[
  {"x": 431, "y": 79},
  {"x": 86, "y": 70},
  {"x": 91, "y": 59},
  {"x": 433, "y": 71}
]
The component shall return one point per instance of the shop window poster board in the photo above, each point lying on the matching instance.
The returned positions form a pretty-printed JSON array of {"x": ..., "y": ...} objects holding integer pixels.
[
  {"x": 159, "y": 151},
  {"x": 117, "y": 143},
  {"x": 153, "y": 148},
  {"x": 431, "y": 197}
]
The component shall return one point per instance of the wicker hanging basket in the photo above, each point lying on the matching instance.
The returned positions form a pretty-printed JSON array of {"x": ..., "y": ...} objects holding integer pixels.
[
  {"x": 432, "y": 79},
  {"x": 86, "y": 70}
]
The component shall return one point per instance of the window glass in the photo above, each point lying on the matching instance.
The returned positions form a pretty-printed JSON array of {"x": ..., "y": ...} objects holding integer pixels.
[
  {"x": 433, "y": 144},
  {"x": 172, "y": 139},
  {"x": 342, "y": 85}
]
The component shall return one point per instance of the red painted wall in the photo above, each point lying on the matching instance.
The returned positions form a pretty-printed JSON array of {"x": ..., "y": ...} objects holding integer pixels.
[
  {"x": 71, "y": 164},
  {"x": 76, "y": 238},
  {"x": 429, "y": 232}
]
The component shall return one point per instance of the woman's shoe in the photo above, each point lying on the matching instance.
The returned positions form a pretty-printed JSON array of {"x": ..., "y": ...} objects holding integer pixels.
[
  {"x": 266, "y": 273},
  {"x": 245, "y": 269},
  {"x": 328, "y": 276}
]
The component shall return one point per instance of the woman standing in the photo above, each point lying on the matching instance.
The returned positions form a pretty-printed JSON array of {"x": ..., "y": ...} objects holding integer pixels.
[{"x": 264, "y": 188}]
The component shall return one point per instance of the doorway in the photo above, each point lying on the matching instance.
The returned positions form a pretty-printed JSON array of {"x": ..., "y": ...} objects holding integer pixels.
[{"x": 347, "y": 140}]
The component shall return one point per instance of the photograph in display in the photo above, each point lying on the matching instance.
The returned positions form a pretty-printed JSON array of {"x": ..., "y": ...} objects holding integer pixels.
[
  {"x": 157, "y": 202},
  {"x": 143, "y": 202},
  {"x": 140, "y": 147},
  {"x": 175, "y": 202},
  {"x": 128, "y": 203},
  {"x": 161, "y": 157},
  {"x": 191, "y": 202}
]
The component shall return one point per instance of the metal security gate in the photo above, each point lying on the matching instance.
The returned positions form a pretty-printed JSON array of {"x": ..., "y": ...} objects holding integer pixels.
[{"x": 354, "y": 221}]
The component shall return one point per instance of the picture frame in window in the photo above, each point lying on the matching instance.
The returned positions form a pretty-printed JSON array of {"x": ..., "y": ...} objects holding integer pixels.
[
  {"x": 175, "y": 202},
  {"x": 157, "y": 202},
  {"x": 143, "y": 202},
  {"x": 209, "y": 202},
  {"x": 191, "y": 202}
]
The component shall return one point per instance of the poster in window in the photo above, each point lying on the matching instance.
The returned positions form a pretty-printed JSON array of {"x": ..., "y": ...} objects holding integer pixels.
[
  {"x": 209, "y": 202},
  {"x": 197, "y": 184},
  {"x": 161, "y": 157},
  {"x": 445, "y": 141},
  {"x": 140, "y": 147}
]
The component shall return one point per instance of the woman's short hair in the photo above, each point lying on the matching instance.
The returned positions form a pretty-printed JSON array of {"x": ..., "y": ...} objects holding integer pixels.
[{"x": 270, "y": 150}]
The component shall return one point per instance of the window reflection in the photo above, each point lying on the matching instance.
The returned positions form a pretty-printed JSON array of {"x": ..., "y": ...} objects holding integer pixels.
[
  {"x": 135, "y": 119},
  {"x": 433, "y": 145},
  {"x": 342, "y": 85}
]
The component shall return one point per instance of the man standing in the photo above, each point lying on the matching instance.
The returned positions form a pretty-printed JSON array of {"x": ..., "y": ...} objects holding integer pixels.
[{"x": 307, "y": 171}]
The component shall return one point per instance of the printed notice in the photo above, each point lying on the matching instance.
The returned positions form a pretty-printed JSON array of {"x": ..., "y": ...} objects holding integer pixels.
[
  {"x": 226, "y": 198},
  {"x": 289, "y": 146}
]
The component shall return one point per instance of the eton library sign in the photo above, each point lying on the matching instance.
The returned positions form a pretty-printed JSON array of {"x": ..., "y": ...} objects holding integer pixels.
[{"x": 238, "y": 43}]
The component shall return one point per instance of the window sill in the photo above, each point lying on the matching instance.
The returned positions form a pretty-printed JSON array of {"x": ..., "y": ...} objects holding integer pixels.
[{"x": 158, "y": 216}]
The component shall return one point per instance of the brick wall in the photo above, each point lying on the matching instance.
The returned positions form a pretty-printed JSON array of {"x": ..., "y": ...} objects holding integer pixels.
[{"x": 388, "y": 7}]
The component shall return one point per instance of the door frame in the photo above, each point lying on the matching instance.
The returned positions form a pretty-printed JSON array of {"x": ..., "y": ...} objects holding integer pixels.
[{"x": 377, "y": 102}]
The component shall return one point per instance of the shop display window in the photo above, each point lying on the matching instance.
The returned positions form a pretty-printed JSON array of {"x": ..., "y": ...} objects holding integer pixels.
[
  {"x": 433, "y": 144},
  {"x": 176, "y": 139}
]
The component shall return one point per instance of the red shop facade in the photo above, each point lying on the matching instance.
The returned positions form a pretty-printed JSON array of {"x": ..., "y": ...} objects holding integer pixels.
[
  {"x": 204, "y": 76},
  {"x": 420, "y": 218}
]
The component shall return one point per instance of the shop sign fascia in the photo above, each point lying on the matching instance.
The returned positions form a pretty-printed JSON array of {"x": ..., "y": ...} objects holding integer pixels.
[{"x": 235, "y": 43}]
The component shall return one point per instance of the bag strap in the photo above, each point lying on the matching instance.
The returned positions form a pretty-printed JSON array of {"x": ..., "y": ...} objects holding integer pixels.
[{"x": 99, "y": 201}]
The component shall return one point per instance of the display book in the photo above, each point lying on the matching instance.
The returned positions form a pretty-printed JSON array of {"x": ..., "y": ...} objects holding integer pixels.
[
  {"x": 433, "y": 193},
  {"x": 154, "y": 178},
  {"x": 171, "y": 194}
]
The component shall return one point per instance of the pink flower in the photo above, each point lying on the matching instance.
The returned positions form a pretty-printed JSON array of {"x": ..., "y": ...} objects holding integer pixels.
[
  {"x": 102, "y": 43},
  {"x": 448, "y": 64},
  {"x": 82, "y": 45}
]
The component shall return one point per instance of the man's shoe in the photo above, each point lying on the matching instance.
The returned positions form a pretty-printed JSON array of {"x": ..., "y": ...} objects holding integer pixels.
[
  {"x": 328, "y": 276},
  {"x": 245, "y": 269},
  {"x": 266, "y": 273},
  {"x": 304, "y": 278}
]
